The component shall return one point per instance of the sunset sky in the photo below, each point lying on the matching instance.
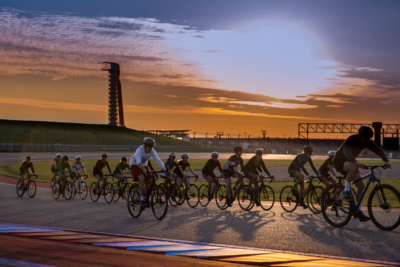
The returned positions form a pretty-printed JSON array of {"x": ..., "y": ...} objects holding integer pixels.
[{"x": 207, "y": 66}]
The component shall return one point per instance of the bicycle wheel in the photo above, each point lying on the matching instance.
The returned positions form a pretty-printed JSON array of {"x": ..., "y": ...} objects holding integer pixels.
[
  {"x": 384, "y": 207},
  {"x": 73, "y": 190},
  {"x": 193, "y": 194},
  {"x": 116, "y": 192},
  {"x": 173, "y": 200},
  {"x": 133, "y": 201},
  {"x": 220, "y": 197},
  {"x": 20, "y": 192},
  {"x": 159, "y": 202},
  {"x": 94, "y": 197},
  {"x": 287, "y": 199},
  {"x": 336, "y": 211},
  {"x": 82, "y": 190},
  {"x": 245, "y": 197},
  {"x": 266, "y": 197},
  {"x": 314, "y": 199},
  {"x": 67, "y": 191},
  {"x": 32, "y": 189},
  {"x": 203, "y": 195},
  {"x": 125, "y": 191},
  {"x": 108, "y": 192}
]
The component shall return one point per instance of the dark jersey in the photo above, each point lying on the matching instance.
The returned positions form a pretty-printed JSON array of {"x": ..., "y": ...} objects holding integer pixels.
[
  {"x": 170, "y": 165},
  {"x": 122, "y": 167},
  {"x": 352, "y": 147},
  {"x": 253, "y": 165},
  {"x": 233, "y": 162},
  {"x": 100, "y": 164},
  {"x": 324, "y": 167},
  {"x": 25, "y": 166},
  {"x": 177, "y": 171},
  {"x": 298, "y": 163},
  {"x": 210, "y": 166},
  {"x": 62, "y": 166}
]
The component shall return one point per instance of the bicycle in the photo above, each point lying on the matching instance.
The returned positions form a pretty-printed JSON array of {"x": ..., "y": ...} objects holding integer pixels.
[
  {"x": 106, "y": 189},
  {"x": 189, "y": 192},
  {"x": 80, "y": 187},
  {"x": 382, "y": 200},
  {"x": 205, "y": 197},
  {"x": 310, "y": 197},
  {"x": 64, "y": 189},
  {"x": 122, "y": 191},
  {"x": 29, "y": 186},
  {"x": 158, "y": 202},
  {"x": 264, "y": 195},
  {"x": 244, "y": 195}
]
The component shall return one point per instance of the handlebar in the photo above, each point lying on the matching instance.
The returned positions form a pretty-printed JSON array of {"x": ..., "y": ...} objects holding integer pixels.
[
  {"x": 106, "y": 175},
  {"x": 271, "y": 177},
  {"x": 33, "y": 175}
]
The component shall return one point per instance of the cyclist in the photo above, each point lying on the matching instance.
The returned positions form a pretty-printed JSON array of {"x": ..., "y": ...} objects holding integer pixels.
[
  {"x": 54, "y": 167},
  {"x": 180, "y": 176},
  {"x": 76, "y": 168},
  {"x": 230, "y": 170},
  {"x": 294, "y": 171},
  {"x": 254, "y": 167},
  {"x": 170, "y": 164},
  {"x": 98, "y": 170},
  {"x": 208, "y": 170},
  {"x": 346, "y": 163},
  {"x": 327, "y": 167},
  {"x": 26, "y": 164},
  {"x": 119, "y": 171},
  {"x": 139, "y": 167},
  {"x": 61, "y": 170}
]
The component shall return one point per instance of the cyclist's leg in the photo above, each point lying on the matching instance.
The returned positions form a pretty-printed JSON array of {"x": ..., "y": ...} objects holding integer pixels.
[
  {"x": 141, "y": 186},
  {"x": 352, "y": 174},
  {"x": 254, "y": 180},
  {"x": 73, "y": 179},
  {"x": 53, "y": 179},
  {"x": 331, "y": 180},
  {"x": 180, "y": 182},
  {"x": 99, "y": 178},
  {"x": 299, "y": 181},
  {"x": 228, "y": 187},
  {"x": 22, "y": 179},
  {"x": 210, "y": 181},
  {"x": 149, "y": 188},
  {"x": 120, "y": 180}
]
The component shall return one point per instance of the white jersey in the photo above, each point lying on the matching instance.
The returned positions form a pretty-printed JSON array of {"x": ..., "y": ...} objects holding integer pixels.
[
  {"x": 77, "y": 166},
  {"x": 140, "y": 156}
]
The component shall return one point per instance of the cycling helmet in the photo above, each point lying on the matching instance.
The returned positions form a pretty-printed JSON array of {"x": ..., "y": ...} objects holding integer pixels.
[
  {"x": 148, "y": 141},
  {"x": 366, "y": 131},
  {"x": 331, "y": 153},
  {"x": 237, "y": 148},
  {"x": 259, "y": 152},
  {"x": 185, "y": 155},
  {"x": 124, "y": 159},
  {"x": 58, "y": 155},
  {"x": 308, "y": 149},
  {"x": 214, "y": 154},
  {"x": 172, "y": 155},
  {"x": 28, "y": 158},
  {"x": 65, "y": 157},
  {"x": 78, "y": 157},
  {"x": 104, "y": 156}
]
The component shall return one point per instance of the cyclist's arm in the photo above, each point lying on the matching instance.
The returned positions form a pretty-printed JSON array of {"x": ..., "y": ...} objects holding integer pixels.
[
  {"x": 331, "y": 170},
  {"x": 108, "y": 167},
  {"x": 304, "y": 170},
  {"x": 192, "y": 171},
  {"x": 150, "y": 166},
  {"x": 265, "y": 168},
  {"x": 347, "y": 151},
  {"x": 313, "y": 167},
  {"x": 33, "y": 170},
  {"x": 84, "y": 170},
  {"x": 378, "y": 151},
  {"x": 69, "y": 170},
  {"x": 54, "y": 164},
  {"x": 219, "y": 167},
  {"x": 157, "y": 159}
]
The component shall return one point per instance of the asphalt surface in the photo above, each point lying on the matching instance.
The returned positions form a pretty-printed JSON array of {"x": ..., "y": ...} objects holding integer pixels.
[{"x": 300, "y": 231}]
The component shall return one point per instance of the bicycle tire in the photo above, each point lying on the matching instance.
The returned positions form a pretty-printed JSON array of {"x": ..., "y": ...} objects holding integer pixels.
[
  {"x": 287, "y": 200},
  {"x": 314, "y": 199},
  {"x": 133, "y": 201},
  {"x": 387, "y": 202},
  {"x": 32, "y": 189},
  {"x": 333, "y": 208},
  {"x": 267, "y": 198},
  {"x": 21, "y": 192},
  {"x": 108, "y": 192},
  {"x": 193, "y": 194},
  {"x": 203, "y": 195},
  {"x": 181, "y": 197},
  {"x": 116, "y": 195},
  {"x": 83, "y": 191},
  {"x": 220, "y": 197},
  {"x": 67, "y": 190},
  {"x": 245, "y": 197},
  {"x": 56, "y": 192},
  {"x": 125, "y": 190},
  {"x": 159, "y": 202},
  {"x": 94, "y": 197}
]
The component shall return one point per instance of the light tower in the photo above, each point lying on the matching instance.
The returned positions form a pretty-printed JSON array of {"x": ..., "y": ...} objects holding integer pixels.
[{"x": 114, "y": 94}]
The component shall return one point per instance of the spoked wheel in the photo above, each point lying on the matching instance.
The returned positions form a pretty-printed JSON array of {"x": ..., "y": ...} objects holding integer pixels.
[
  {"x": 337, "y": 212},
  {"x": 83, "y": 190},
  {"x": 287, "y": 199},
  {"x": 116, "y": 192},
  {"x": 246, "y": 197},
  {"x": 203, "y": 195},
  {"x": 314, "y": 199},
  {"x": 125, "y": 191},
  {"x": 67, "y": 191},
  {"x": 159, "y": 202},
  {"x": 108, "y": 192},
  {"x": 56, "y": 191},
  {"x": 133, "y": 201},
  {"x": 266, "y": 198},
  {"x": 192, "y": 196},
  {"x": 384, "y": 207},
  {"x": 74, "y": 190},
  {"x": 220, "y": 197},
  {"x": 20, "y": 192},
  {"x": 32, "y": 189},
  {"x": 94, "y": 197}
]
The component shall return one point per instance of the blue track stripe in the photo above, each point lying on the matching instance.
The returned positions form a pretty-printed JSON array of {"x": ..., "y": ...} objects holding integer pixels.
[{"x": 23, "y": 263}]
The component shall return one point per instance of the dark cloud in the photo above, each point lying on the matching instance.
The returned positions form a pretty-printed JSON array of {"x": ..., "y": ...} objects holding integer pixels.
[
  {"x": 121, "y": 26},
  {"x": 198, "y": 36}
]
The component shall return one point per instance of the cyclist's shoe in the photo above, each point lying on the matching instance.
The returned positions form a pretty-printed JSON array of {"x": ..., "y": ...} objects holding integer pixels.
[
  {"x": 52, "y": 183},
  {"x": 143, "y": 204},
  {"x": 21, "y": 187},
  {"x": 147, "y": 204},
  {"x": 210, "y": 197},
  {"x": 258, "y": 203},
  {"x": 361, "y": 216},
  {"x": 303, "y": 204},
  {"x": 95, "y": 191},
  {"x": 229, "y": 202},
  {"x": 57, "y": 185},
  {"x": 187, "y": 198},
  {"x": 294, "y": 193},
  {"x": 348, "y": 196}
]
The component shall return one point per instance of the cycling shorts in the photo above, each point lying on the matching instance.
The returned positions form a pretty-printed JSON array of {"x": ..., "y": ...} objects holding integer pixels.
[
  {"x": 95, "y": 172},
  {"x": 136, "y": 172},
  {"x": 292, "y": 172},
  {"x": 227, "y": 174},
  {"x": 206, "y": 175}
]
